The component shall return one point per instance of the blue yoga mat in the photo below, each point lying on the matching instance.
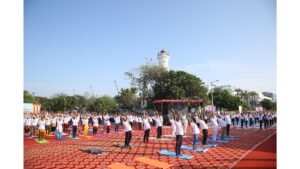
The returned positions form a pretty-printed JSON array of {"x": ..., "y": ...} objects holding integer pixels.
[
  {"x": 226, "y": 139},
  {"x": 172, "y": 154},
  {"x": 71, "y": 137},
  {"x": 231, "y": 136},
  {"x": 218, "y": 141},
  {"x": 208, "y": 145},
  {"x": 183, "y": 147}
]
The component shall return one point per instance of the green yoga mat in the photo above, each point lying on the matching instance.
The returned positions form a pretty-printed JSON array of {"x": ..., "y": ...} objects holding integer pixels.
[
  {"x": 42, "y": 141},
  {"x": 71, "y": 137}
]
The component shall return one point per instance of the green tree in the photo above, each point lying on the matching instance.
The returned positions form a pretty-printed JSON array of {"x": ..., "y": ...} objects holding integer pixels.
[
  {"x": 266, "y": 104},
  {"x": 179, "y": 85},
  {"x": 104, "y": 103},
  {"x": 223, "y": 99},
  {"x": 127, "y": 98},
  {"x": 145, "y": 78}
]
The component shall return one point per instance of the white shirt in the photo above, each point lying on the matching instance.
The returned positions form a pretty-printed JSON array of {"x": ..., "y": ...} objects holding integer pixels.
[
  {"x": 66, "y": 120},
  {"x": 214, "y": 123},
  {"x": 146, "y": 124},
  {"x": 117, "y": 119},
  {"x": 173, "y": 124},
  {"x": 222, "y": 122},
  {"x": 195, "y": 128},
  {"x": 127, "y": 126},
  {"x": 42, "y": 124},
  {"x": 95, "y": 122},
  {"x": 139, "y": 120},
  {"x": 59, "y": 125},
  {"x": 203, "y": 125},
  {"x": 130, "y": 118},
  {"x": 27, "y": 122},
  {"x": 34, "y": 122},
  {"x": 184, "y": 120},
  {"x": 106, "y": 120},
  {"x": 75, "y": 121},
  {"x": 179, "y": 128},
  {"x": 227, "y": 119},
  {"x": 85, "y": 121},
  {"x": 157, "y": 122}
]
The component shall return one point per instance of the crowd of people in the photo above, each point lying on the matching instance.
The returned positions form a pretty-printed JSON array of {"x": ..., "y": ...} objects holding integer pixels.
[{"x": 46, "y": 123}]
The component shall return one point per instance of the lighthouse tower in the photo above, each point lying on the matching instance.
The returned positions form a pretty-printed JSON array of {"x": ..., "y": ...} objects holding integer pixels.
[{"x": 163, "y": 59}]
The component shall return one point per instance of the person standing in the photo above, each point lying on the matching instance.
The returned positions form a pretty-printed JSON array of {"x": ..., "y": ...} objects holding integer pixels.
[
  {"x": 95, "y": 124},
  {"x": 173, "y": 126},
  {"x": 184, "y": 121},
  {"x": 59, "y": 128},
  {"x": 117, "y": 122},
  {"x": 42, "y": 124},
  {"x": 106, "y": 122},
  {"x": 179, "y": 135},
  {"x": 242, "y": 118},
  {"x": 260, "y": 118},
  {"x": 214, "y": 125},
  {"x": 128, "y": 131},
  {"x": 204, "y": 129},
  {"x": 228, "y": 123},
  {"x": 75, "y": 121},
  {"x": 158, "y": 124},
  {"x": 195, "y": 132},
  {"x": 85, "y": 123},
  {"x": 147, "y": 127},
  {"x": 222, "y": 123}
]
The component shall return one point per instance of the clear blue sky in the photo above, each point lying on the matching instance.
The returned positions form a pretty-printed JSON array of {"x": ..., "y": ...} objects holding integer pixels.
[{"x": 72, "y": 44}]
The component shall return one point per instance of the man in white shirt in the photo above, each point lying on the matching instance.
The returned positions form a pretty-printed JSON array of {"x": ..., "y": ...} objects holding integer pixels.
[
  {"x": 214, "y": 126},
  {"x": 75, "y": 121},
  {"x": 228, "y": 123},
  {"x": 127, "y": 129},
  {"x": 158, "y": 126},
  {"x": 179, "y": 135},
  {"x": 204, "y": 128},
  {"x": 223, "y": 126},
  {"x": 146, "y": 128},
  {"x": 196, "y": 132},
  {"x": 117, "y": 122}
]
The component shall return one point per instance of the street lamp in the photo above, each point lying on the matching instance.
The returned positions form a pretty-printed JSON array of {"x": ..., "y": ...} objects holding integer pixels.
[{"x": 212, "y": 98}]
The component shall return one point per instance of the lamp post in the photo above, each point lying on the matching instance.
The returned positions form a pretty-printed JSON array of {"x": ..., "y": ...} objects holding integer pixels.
[{"x": 212, "y": 98}]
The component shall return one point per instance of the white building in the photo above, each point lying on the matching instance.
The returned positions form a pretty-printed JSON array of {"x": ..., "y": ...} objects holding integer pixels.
[{"x": 163, "y": 58}]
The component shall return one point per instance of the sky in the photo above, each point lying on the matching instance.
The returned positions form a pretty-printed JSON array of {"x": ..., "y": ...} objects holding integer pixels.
[{"x": 73, "y": 46}]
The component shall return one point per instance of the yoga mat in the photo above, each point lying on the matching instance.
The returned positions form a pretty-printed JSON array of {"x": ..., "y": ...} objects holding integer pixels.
[
  {"x": 208, "y": 145},
  {"x": 154, "y": 163},
  {"x": 218, "y": 141},
  {"x": 172, "y": 154},
  {"x": 183, "y": 147},
  {"x": 71, "y": 137},
  {"x": 118, "y": 166},
  {"x": 41, "y": 142}
]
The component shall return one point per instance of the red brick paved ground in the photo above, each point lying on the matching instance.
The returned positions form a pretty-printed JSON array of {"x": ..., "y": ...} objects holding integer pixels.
[
  {"x": 263, "y": 156},
  {"x": 66, "y": 154}
]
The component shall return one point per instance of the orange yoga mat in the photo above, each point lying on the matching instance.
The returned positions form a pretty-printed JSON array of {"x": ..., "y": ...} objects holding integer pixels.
[
  {"x": 118, "y": 166},
  {"x": 152, "y": 162}
]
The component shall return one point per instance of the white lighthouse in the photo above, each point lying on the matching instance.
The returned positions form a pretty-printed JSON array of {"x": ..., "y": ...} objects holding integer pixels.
[{"x": 163, "y": 58}]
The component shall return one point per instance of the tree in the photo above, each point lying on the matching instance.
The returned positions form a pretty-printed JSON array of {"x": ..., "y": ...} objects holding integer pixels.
[
  {"x": 127, "y": 98},
  {"x": 104, "y": 103},
  {"x": 179, "y": 85},
  {"x": 145, "y": 78},
  {"x": 223, "y": 99},
  {"x": 266, "y": 104}
]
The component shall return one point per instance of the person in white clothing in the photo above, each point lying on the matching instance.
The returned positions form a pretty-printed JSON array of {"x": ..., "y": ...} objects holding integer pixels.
[
  {"x": 184, "y": 121},
  {"x": 95, "y": 124},
  {"x": 27, "y": 125},
  {"x": 75, "y": 121},
  {"x": 34, "y": 121},
  {"x": 228, "y": 123},
  {"x": 204, "y": 128},
  {"x": 59, "y": 128},
  {"x": 195, "y": 132},
  {"x": 146, "y": 128},
  {"x": 223, "y": 126},
  {"x": 173, "y": 126},
  {"x": 158, "y": 125},
  {"x": 42, "y": 124},
  {"x": 179, "y": 134},
  {"x": 106, "y": 122},
  {"x": 128, "y": 131},
  {"x": 214, "y": 126},
  {"x": 117, "y": 122}
]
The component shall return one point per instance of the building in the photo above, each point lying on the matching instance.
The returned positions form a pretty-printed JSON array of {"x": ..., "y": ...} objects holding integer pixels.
[{"x": 163, "y": 59}]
